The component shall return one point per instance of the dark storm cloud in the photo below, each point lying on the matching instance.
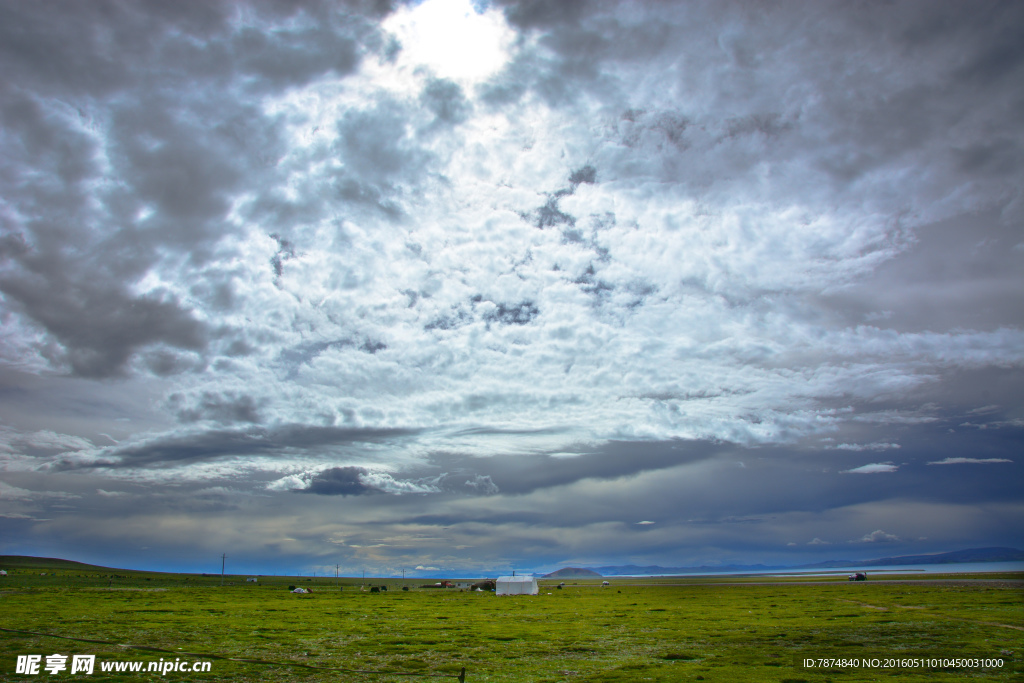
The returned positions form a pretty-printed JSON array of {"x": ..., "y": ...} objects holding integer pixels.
[
  {"x": 285, "y": 252},
  {"x": 820, "y": 480},
  {"x": 98, "y": 324},
  {"x": 339, "y": 481},
  {"x": 450, "y": 321},
  {"x": 214, "y": 444},
  {"x": 61, "y": 273},
  {"x": 183, "y": 163},
  {"x": 863, "y": 121},
  {"x": 549, "y": 215},
  {"x": 141, "y": 92},
  {"x": 708, "y": 484},
  {"x": 759, "y": 487},
  {"x": 961, "y": 272},
  {"x": 585, "y": 174},
  {"x": 101, "y": 47},
  {"x": 380, "y": 160},
  {"x": 446, "y": 100},
  {"x": 537, "y": 13},
  {"x": 969, "y": 411},
  {"x": 502, "y": 313},
  {"x": 67, "y": 47},
  {"x": 520, "y": 313},
  {"x": 222, "y": 407},
  {"x": 374, "y": 143},
  {"x": 582, "y": 37},
  {"x": 289, "y": 58},
  {"x": 592, "y": 285},
  {"x": 522, "y": 474}
]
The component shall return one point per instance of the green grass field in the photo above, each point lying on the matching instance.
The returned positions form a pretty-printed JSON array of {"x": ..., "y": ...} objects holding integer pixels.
[{"x": 635, "y": 630}]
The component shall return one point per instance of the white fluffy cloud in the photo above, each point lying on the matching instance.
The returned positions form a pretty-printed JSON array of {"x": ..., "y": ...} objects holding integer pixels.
[
  {"x": 877, "y": 536},
  {"x": 874, "y": 468}
]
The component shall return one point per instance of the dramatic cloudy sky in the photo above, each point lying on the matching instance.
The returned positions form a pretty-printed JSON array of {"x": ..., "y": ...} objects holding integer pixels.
[{"x": 509, "y": 285}]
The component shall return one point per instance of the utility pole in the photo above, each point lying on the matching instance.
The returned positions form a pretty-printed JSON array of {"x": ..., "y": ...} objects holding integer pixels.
[
  {"x": 223, "y": 558},
  {"x": 337, "y": 568}
]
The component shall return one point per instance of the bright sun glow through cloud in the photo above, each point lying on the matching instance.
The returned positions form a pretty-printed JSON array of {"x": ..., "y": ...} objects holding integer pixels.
[{"x": 451, "y": 38}]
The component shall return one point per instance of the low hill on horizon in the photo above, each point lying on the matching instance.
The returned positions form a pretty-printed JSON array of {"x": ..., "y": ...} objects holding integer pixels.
[
  {"x": 56, "y": 563},
  {"x": 572, "y": 573},
  {"x": 30, "y": 562}
]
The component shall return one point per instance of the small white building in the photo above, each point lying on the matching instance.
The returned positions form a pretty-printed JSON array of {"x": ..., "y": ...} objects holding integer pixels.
[
  {"x": 251, "y": 579},
  {"x": 516, "y": 585}
]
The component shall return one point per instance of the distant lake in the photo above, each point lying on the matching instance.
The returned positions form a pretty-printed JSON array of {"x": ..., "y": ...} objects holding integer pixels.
[{"x": 952, "y": 568}]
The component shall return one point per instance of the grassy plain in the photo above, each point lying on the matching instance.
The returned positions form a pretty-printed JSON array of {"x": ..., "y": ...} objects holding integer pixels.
[{"x": 672, "y": 629}]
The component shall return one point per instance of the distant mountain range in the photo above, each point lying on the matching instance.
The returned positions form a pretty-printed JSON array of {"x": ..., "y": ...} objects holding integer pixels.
[
  {"x": 971, "y": 555},
  {"x": 958, "y": 556},
  {"x": 572, "y": 573}
]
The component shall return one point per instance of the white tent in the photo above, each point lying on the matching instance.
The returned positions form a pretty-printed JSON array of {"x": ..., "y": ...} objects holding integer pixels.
[{"x": 516, "y": 585}]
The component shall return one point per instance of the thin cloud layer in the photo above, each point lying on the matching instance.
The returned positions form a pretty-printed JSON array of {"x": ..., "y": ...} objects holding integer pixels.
[
  {"x": 250, "y": 250},
  {"x": 969, "y": 461}
]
